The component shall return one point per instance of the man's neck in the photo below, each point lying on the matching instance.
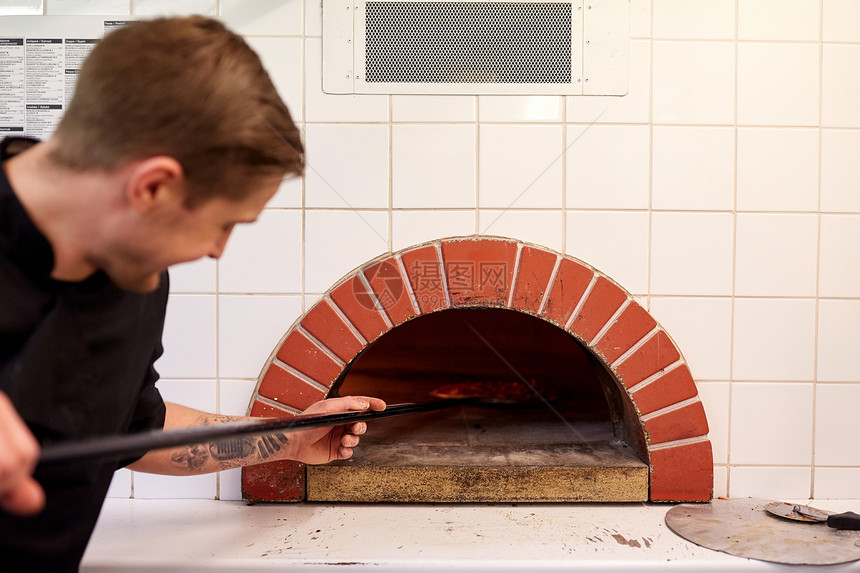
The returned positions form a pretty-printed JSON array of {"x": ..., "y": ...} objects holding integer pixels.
[{"x": 56, "y": 201}]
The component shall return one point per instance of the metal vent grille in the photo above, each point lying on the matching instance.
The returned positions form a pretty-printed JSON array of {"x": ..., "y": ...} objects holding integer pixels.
[{"x": 468, "y": 42}]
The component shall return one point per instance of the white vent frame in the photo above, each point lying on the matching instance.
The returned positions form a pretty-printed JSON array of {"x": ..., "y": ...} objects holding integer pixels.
[{"x": 599, "y": 52}]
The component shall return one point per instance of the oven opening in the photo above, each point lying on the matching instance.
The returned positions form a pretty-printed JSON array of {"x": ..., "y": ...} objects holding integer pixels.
[{"x": 568, "y": 437}]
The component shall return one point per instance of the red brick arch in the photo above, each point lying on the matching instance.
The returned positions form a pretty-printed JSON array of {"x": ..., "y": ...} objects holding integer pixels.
[{"x": 480, "y": 271}]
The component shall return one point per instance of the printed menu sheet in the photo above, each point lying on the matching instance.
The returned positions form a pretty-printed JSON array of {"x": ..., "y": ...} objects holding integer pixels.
[{"x": 39, "y": 61}]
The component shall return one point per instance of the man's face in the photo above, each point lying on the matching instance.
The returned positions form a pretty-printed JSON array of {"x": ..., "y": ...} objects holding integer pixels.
[{"x": 179, "y": 234}]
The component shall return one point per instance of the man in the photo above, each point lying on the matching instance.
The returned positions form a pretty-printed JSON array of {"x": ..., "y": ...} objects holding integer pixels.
[{"x": 175, "y": 135}]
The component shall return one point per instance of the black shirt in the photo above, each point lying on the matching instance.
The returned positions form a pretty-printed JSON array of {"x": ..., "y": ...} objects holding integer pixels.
[{"x": 76, "y": 360}]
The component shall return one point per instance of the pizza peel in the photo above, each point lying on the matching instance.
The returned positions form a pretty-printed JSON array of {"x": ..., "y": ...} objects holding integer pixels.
[
  {"x": 107, "y": 448},
  {"x": 743, "y": 527}
]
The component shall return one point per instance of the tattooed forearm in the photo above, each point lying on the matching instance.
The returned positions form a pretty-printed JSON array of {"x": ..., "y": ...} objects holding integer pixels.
[
  {"x": 229, "y": 451},
  {"x": 269, "y": 445},
  {"x": 191, "y": 457},
  {"x": 232, "y": 449}
]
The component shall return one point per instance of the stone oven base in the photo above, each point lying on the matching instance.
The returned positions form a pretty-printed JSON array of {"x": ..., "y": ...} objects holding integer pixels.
[
  {"x": 484, "y": 454},
  {"x": 606, "y": 475}
]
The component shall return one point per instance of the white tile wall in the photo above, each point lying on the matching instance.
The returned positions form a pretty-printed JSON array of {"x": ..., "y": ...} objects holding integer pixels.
[
  {"x": 693, "y": 82},
  {"x": 419, "y": 226},
  {"x": 705, "y": 326},
  {"x": 76, "y": 7},
  {"x": 194, "y": 277},
  {"x": 538, "y": 227},
  {"x": 693, "y": 168},
  {"x": 174, "y": 7},
  {"x": 773, "y": 339},
  {"x": 249, "y": 327},
  {"x": 840, "y": 19},
  {"x": 189, "y": 337},
  {"x": 838, "y": 340},
  {"x": 694, "y": 19},
  {"x": 347, "y": 166},
  {"x": 520, "y": 166},
  {"x": 433, "y": 166},
  {"x": 835, "y": 406},
  {"x": 777, "y": 169},
  {"x": 433, "y": 108},
  {"x": 762, "y": 243},
  {"x": 836, "y": 483},
  {"x": 840, "y": 235},
  {"x": 276, "y": 238},
  {"x": 716, "y": 398},
  {"x": 594, "y": 155},
  {"x": 283, "y": 59},
  {"x": 782, "y": 20},
  {"x": 840, "y": 170},
  {"x": 723, "y": 191},
  {"x": 771, "y": 423},
  {"x": 840, "y": 78},
  {"x": 263, "y": 17},
  {"x": 778, "y": 84},
  {"x": 691, "y": 253},
  {"x": 615, "y": 242},
  {"x": 21, "y": 8},
  {"x": 771, "y": 482},
  {"x": 338, "y": 241},
  {"x": 520, "y": 108}
]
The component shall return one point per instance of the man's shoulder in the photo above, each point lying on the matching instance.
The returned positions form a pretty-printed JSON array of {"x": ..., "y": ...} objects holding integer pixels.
[{"x": 13, "y": 145}]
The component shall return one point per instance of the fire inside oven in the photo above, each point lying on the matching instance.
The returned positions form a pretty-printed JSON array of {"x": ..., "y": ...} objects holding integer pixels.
[{"x": 567, "y": 437}]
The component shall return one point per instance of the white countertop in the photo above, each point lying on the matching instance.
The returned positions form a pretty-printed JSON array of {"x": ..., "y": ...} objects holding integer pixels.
[{"x": 203, "y": 535}]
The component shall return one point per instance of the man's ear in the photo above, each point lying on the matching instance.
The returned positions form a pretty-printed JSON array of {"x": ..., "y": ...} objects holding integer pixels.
[{"x": 153, "y": 181}]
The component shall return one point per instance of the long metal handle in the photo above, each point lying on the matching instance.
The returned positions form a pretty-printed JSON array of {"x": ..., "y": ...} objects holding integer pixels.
[{"x": 118, "y": 447}]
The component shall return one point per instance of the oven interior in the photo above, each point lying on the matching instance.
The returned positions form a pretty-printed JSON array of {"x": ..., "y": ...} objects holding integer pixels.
[{"x": 571, "y": 440}]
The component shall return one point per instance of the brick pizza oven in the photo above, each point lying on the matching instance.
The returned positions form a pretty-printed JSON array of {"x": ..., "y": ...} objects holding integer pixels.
[{"x": 618, "y": 419}]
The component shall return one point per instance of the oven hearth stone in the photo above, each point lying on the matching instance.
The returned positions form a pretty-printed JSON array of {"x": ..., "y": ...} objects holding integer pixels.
[{"x": 484, "y": 454}]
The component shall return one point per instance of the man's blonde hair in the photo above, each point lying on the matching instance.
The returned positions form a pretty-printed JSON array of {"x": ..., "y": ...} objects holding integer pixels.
[{"x": 187, "y": 88}]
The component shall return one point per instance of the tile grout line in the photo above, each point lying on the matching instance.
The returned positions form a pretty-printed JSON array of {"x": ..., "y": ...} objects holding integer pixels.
[
  {"x": 390, "y": 209},
  {"x": 817, "y": 310},
  {"x": 732, "y": 305},
  {"x": 649, "y": 269},
  {"x": 476, "y": 109}
]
